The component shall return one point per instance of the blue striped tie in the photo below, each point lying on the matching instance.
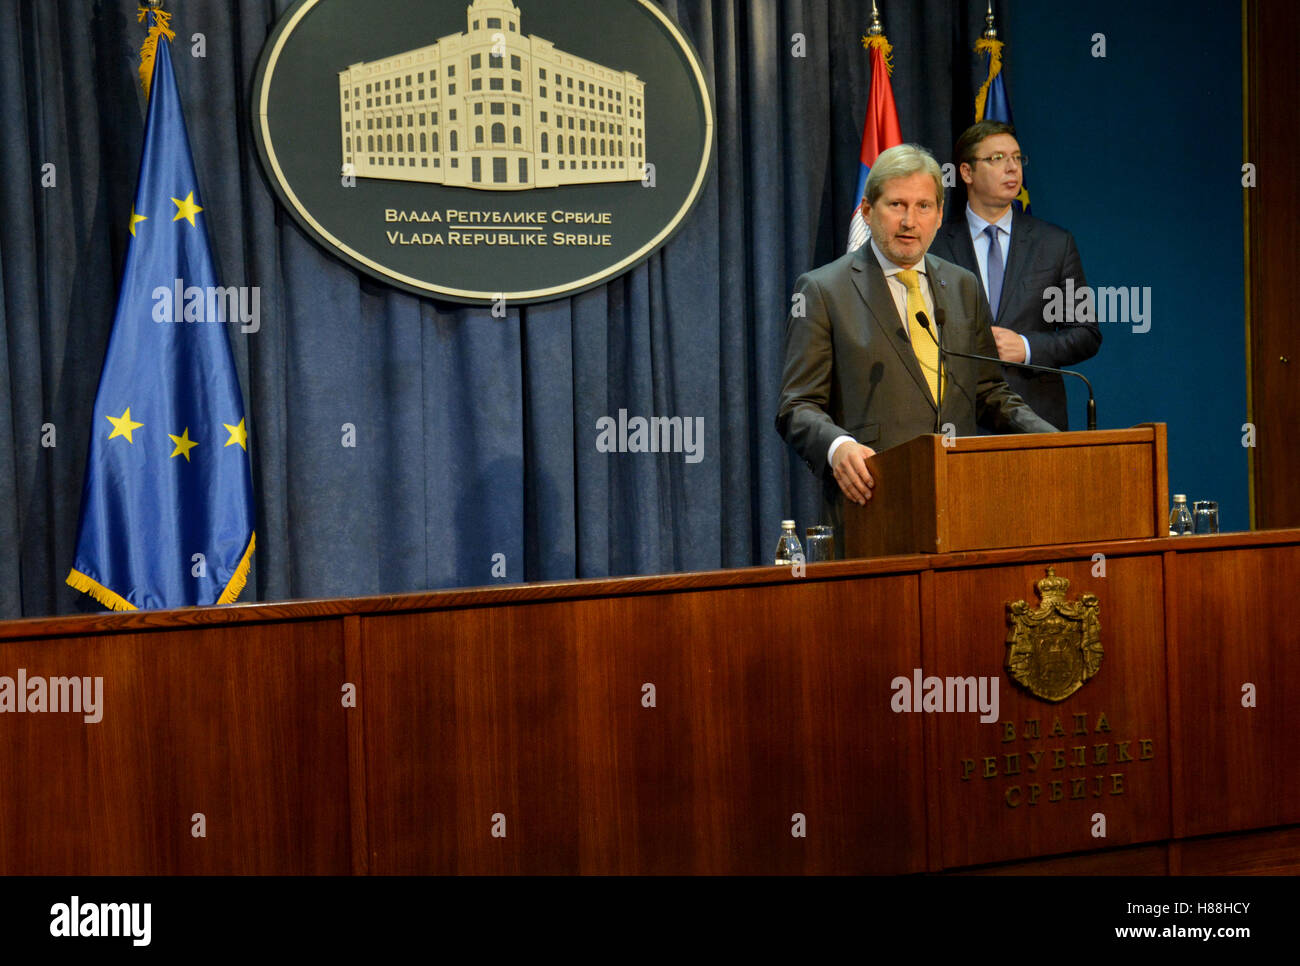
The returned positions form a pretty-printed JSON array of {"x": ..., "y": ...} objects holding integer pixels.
[{"x": 995, "y": 269}]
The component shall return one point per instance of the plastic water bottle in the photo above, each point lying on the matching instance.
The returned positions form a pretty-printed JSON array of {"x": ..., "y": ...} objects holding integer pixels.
[
  {"x": 1180, "y": 518},
  {"x": 787, "y": 548}
]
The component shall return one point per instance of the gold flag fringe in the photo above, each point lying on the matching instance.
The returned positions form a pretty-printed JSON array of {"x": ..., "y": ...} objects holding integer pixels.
[
  {"x": 149, "y": 49},
  {"x": 110, "y": 599},
  {"x": 886, "y": 50},
  {"x": 986, "y": 45},
  {"x": 240, "y": 578},
  {"x": 115, "y": 601}
]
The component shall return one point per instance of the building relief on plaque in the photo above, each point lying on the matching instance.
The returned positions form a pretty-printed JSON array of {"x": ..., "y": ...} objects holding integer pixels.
[
  {"x": 492, "y": 109},
  {"x": 490, "y": 152}
]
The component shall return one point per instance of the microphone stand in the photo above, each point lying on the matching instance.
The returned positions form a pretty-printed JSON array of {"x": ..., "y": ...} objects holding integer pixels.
[{"x": 1092, "y": 402}]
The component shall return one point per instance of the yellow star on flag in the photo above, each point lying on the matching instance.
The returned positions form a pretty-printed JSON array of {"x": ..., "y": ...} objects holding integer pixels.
[
  {"x": 238, "y": 434},
  {"x": 187, "y": 209},
  {"x": 183, "y": 444},
  {"x": 136, "y": 219},
  {"x": 122, "y": 425}
]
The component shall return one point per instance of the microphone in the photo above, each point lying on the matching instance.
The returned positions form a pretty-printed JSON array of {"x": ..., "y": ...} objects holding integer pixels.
[
  {"x": 925, "y": 324},
  {"x": 938, "y": 409}
]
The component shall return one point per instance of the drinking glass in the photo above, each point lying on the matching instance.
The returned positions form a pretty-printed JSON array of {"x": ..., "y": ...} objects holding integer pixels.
[
  {"x": 821, "y": 544},
  {"x": 1205, "y": 516}
]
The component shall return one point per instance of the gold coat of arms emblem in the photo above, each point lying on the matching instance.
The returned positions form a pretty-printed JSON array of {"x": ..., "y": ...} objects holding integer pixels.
[{"x": 1055, "y": 647}]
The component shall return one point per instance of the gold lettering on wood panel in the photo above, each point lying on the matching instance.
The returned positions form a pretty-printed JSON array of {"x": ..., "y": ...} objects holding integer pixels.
[
  {"x": 1037, "y": 764},
  {"x": 1052, "y": 651}
]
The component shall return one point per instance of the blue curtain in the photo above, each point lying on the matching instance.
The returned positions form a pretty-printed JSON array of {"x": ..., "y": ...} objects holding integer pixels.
[{"x": 475, "y": 436}]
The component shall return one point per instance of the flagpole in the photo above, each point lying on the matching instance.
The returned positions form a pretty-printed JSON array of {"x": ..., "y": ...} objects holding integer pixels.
[
  {"x": 167, "y": 510},
  {"x": 991, "y": 100},
  {"x": 880, "y": 128},
  {"x": 988, "y": 44}
]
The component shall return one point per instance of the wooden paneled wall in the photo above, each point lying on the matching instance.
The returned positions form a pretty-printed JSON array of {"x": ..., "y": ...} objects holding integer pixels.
[
  {"x": 1273, "y": 254},
  {"x": 682, "y": 724}
]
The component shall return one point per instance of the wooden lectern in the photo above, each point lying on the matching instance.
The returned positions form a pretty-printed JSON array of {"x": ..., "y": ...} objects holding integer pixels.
[{"x": 985, "y": 492}]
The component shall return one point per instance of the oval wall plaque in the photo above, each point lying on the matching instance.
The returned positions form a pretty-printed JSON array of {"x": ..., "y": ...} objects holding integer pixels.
[{"x": 523, "y": 151}]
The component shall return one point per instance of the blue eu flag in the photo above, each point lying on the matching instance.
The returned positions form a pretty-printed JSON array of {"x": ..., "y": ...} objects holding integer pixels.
[
  {"x": 998, "y": 108},
  {"x": 992, "y": 102},
  {"x": 167, "y": 507}
]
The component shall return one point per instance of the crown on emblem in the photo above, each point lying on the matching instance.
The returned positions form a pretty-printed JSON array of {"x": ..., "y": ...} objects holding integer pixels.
[{"x": 1052, "y": 589}]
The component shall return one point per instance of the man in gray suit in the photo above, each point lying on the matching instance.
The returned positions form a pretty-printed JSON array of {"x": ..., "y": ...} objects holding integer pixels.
[
  {"x": 1030, "y": 257},
  {"x": 861, "y": 371}
]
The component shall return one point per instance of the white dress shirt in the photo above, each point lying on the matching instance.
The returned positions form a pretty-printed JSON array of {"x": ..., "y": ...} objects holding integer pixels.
[{"x": 897, "y": 289}]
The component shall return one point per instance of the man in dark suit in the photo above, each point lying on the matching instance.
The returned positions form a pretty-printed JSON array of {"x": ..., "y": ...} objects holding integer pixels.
[
  {"x": 861, "y": 371},
  {"x": 1030, "y": 256}
]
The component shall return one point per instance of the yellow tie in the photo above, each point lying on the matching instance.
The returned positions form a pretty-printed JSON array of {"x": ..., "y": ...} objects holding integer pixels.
[{"x": 927, "y": 352}]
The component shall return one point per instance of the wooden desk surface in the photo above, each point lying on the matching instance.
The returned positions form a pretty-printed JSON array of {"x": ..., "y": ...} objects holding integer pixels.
[{"x": 676, "y": 723}]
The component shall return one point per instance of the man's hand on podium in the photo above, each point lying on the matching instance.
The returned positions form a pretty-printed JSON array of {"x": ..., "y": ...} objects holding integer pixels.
[{"x": 850, "y": 467}]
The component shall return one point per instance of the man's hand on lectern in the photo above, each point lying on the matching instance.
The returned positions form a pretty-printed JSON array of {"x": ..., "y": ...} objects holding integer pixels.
[{"x": 850, "y": 467}]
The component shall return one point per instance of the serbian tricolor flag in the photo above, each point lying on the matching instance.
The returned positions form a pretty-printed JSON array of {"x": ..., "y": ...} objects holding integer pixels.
[{"x": 881, "y": 129}]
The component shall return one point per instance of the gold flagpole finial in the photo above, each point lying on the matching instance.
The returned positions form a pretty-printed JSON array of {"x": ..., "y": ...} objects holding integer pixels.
[
  {"x": 874, "y": 30},
  {"x": 988, "y": 44},
  {"x": 875, "y": 39}
]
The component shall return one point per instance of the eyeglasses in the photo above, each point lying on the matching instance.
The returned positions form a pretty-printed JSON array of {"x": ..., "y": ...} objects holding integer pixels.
[{"x": 1019, "y": 160}]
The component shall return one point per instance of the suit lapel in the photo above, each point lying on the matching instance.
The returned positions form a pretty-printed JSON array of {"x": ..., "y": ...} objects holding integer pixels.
[
  {"x": 962, "y": 248},
  {"x": 870, "y": 281},
  {"x": 963, "y": 251},
  {"x": 1022, "y": 230},
  {"x": 947, "y": 306},
  {"x": 938, "y": 285}
]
